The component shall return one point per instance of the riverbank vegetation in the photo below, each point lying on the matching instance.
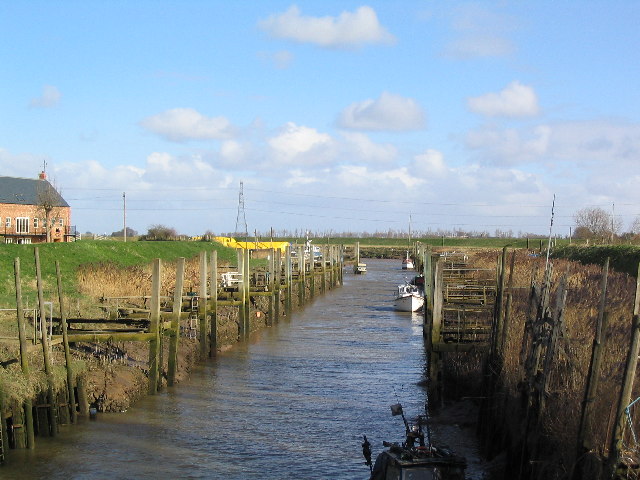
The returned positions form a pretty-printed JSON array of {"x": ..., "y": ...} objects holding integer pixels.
[{"x": 533, "y": 415}]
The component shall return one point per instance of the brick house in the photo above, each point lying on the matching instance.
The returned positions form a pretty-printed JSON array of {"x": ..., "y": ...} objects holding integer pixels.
[{"x": 31, "y": 210}]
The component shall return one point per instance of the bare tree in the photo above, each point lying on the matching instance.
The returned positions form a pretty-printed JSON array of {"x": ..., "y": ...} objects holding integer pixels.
[
  {"x": 596, "y": 224},
  {"x": 635, "y": 226},
  {"x": 48, "y": 200}
]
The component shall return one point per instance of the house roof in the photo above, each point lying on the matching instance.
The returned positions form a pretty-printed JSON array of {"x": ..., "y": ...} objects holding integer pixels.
[{"x": 28, "y": 191}]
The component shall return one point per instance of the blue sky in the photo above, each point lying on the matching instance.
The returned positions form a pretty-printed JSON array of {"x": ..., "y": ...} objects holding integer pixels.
[{"x": 336, "y": 116}]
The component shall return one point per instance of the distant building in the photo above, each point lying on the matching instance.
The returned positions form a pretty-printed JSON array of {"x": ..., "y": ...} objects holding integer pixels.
[{"x": 32, "y": 211}]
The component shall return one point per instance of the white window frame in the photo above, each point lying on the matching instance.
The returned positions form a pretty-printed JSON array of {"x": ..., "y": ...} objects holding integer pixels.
[
  {"x": 7, "y": 222},
  {"x": 35, "y": 223},
  {"x": 21, "y": 223},
  {"x": 61, "y": 222}
]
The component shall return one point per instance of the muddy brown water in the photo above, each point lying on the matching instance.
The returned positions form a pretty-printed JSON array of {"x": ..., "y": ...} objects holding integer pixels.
[{"x": 291, "y": 403}]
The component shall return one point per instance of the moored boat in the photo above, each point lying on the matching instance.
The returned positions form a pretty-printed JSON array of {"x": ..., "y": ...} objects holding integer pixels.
[
  {"x": 416, "y": 457},
  {"x": 407, "y": 263},
  {"x": 409, "y": 298},
  {"x": 360, "y": 268}
]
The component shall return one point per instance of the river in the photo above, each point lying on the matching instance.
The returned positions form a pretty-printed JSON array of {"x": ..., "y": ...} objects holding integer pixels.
[{"x": 292, "y": 402}]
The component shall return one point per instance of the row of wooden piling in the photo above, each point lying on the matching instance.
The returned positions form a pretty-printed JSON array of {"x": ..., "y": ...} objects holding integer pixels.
[
  {"x": 539, "y": 350},
  {"x": 292, "y": 278}
]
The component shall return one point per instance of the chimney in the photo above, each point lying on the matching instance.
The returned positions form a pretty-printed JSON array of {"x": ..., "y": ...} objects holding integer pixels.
[{"x": 42, "y": 176}]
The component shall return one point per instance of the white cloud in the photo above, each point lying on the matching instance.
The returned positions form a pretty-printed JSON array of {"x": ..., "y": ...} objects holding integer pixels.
[
  {"x": 349, "y": 29},
  {"x": 300, "y": 144},
  {"x": 430, "y": 164},
  {"x": 599, "y": 144},
  {"x": 298, "y": 178},
  {"x": 377, "y": 181},
  {"x": 510, "y": 146},
  {"x": 515, "y": 100},
  {"x": 480, "y": 33},
  {"x": 182, "y": 124},
  {"x": 50, "y": 98},
  {"x": 389, "y": 112},
  {"x": 360, "y": 147}
]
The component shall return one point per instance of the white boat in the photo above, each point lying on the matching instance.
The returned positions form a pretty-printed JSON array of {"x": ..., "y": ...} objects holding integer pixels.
[
  {"x": 409, "y": 298},
  {"x": 360, "y": 268},
  {"x": 407, "y": 263}
]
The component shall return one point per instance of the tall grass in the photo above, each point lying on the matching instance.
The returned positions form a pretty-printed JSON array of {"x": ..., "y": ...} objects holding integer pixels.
[
  {"x": 569, "y": 371},
  {"x": 76, "y": 256}
]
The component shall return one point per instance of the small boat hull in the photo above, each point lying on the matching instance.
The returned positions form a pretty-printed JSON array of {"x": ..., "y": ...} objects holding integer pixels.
[{"x": 409, "y": 303}]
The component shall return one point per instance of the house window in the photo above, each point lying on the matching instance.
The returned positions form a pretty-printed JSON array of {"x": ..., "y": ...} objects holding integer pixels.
[
  {"x": 61, "y": 222},
  {"x": 7, "y": 222},
  {"x": 22, "y": 225},
  {"x": 35, "y": 223}
]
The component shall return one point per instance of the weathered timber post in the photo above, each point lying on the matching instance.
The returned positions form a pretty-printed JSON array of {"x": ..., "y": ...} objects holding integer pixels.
[
  {"x": 277, "y": 283},
  {"x": 247, "y": 297},
  {"x": 174, "y": 339},
  {"x": 83, "y": 400},
  {"x": 499, "y": 306},
  {"x": 593, "y": 378},
  {"x": 427, "y": 272},
  {"x": 241, "y": 290},
  {"x": 213, "y": 335},
  {"x": 288, "y": 280},
  {"x": 154, "y": 328},
  {"x": 67, "y": 354},
  {"x": 312, "y": 274},
  {"x": 333, "y": 274},
  {"x": 202, "y": 306},
  {"x": 271, "y": 285},
  {"x": 53, "y": 421},
  {"x": 301, "y": 276},
  {"x": 584, "y": 444},
  {"x": 24, "y": 361},
  {"x": 627, "y": 386},
  {"x": 325, "y": 258}
]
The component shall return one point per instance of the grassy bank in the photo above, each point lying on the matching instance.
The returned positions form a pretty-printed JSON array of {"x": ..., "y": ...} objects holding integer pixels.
[
  {"x": 72, "y": 256},
  {"x": 623, "y": 258}
]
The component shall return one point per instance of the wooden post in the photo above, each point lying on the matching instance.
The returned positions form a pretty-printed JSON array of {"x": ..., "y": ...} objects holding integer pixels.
[
  {"x": 154, "y": 329},
  {"x": 24, "y": 361},
  {"x": 312, "y": 274},
  {"x": 67, "y": 354},
  {"x": 301, "y": 281},
  {"x": 271, "y": 282},
  {"x": 499, "y": 306},
  {"x": 53, "y": 421},
  {"x": 627, "y": 387},
  {"x": 247, "y": 296},
  {"x": 288, "y": 279},
  {"x": 241, "y": 320},
  {"x": 175, "y": 323},
  {"x": 278, "y": 282},
  {"x": 83, "y": 401},
  {"x": 202, "y": 307},
  {"x": 325, "y": 259},
  {"x": 213, "y": 348}
]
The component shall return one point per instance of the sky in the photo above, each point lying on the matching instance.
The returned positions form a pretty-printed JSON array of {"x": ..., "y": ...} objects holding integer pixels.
[{"x": 334, "y": 116}]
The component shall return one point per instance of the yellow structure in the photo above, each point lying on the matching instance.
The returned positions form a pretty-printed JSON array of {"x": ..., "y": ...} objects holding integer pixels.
[{"x": 233, "y": 243}]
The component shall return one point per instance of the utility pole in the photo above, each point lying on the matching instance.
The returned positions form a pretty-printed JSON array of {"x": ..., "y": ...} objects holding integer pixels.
[
  {"x": 613, "y": 216},
  {"x": 241, "y": 214},
  {"x": 124, "y": 216}
]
